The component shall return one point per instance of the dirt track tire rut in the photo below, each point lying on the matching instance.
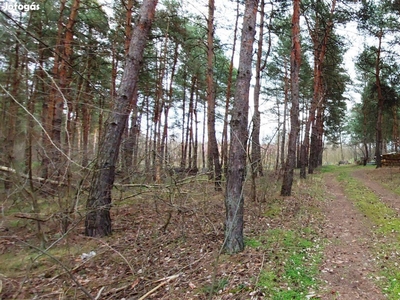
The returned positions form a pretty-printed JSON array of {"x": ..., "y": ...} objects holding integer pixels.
[{"x": 348, "y": 266}]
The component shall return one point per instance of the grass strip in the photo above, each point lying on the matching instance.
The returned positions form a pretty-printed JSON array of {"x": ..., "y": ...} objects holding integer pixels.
[{"x": 293, "y": 265}]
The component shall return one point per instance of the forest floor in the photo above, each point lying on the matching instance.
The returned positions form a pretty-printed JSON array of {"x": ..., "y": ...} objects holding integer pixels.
[{"x": 336, "y": 237}]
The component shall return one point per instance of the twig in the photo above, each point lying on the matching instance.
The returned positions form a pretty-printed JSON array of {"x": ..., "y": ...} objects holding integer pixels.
[
  {"x": 165, "y": 281},
  {"x": 261, "y": 267},
  {"x": 183, "y": 181},
  {"x": 99, "y": 293},
  {"x": 117, "y": 289}
]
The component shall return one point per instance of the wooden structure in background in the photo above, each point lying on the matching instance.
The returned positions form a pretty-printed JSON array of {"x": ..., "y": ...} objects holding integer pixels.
[{"x": 391, "y": 160}]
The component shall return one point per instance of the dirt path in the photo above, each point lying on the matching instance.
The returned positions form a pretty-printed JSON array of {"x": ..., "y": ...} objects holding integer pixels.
[{"x": 349, "y": 265}]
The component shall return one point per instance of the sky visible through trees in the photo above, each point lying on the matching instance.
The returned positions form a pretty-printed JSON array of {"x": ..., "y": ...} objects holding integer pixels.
[
  {"x": 171, "y": 130},
  {"x": 224, "y": 20},
  {"x": 62, "y": 69}
]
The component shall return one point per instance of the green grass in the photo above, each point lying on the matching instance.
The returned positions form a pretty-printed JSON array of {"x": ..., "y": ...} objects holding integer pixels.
[
  {"x": 252, "y": 243},
  {"x": 329, "y": 168},
  {"x": 29, "y": 259},
  {"x": 296, "y": 259},
  {"x": 369, "y": 203}
]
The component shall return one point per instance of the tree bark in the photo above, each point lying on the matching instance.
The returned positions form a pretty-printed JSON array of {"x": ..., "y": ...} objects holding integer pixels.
[
  {"x": 317, "y": 106},
  {"x": 183, "y": 147},
  {"x": 379, "y": 139},
  {"x": 224, "y": 147},
  {"x": 86, "y": 115},
  {"x": 62, "y": 94},
  {"x": 295, "y": 61},
  {"x": 256, "y": 164},
  {"x": 395, "y": 128},
  {"x": 234, "y": 199},
  {"x": 196, "y": 133},
  {"x": 212, "y": 149},
  {"x": 48, "y": 107},
  {"x": 285, "y": 109},
  {"x": 12, "y": 112},
  {"x": 168, "y": 105},
  {"x": 98, "y": 219},
  {"x": 127, "y": 139}
]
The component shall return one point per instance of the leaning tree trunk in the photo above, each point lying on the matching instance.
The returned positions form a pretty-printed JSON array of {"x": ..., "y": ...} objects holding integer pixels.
[
  {"x": 295, "y": 61},
  {"x": 234, "y": 199},
  {"x": 98, "y": 220}
]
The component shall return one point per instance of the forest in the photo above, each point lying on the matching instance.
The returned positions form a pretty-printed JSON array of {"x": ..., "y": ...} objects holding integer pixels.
[{"x": 129, "y": 128}]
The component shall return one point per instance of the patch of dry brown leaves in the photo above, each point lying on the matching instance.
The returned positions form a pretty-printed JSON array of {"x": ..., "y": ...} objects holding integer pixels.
[{"x": 166, "y": 244}]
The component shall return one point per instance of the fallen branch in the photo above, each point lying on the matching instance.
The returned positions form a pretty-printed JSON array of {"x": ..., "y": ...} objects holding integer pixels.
[
  {"x": 39, "y": 179},
  {"x": 165, "y": 281},
  {"x": 183, "y": 181},
  {"x": 33, "y": 216},
  {"x": 116, "y": 290}
]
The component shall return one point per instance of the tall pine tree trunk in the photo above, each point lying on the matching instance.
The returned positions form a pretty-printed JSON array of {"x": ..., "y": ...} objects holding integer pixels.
[
  {"x": 183, "y": 147},
  {"x": 12, "y": 112},
  {"x": 48, "y": 107},
  {"x": 224, "y": 146},
  {"x": 320, "y": 49},
  {"x": 196, "y": 133},
  {"x": 212, "y": 150},
  {"x": 395, "y": 128},
  {"x": 256, "y": 165},
  {"x": 295, "y": 61},
  {"x": 285, "y": 109},
  {"x": 234, "y": 198},
  {"x": 127, "y": 139},
  {"x": 98, "y": 219},
  {"x": 379, "y": 138},
  {"x": 62, "y": 98}
]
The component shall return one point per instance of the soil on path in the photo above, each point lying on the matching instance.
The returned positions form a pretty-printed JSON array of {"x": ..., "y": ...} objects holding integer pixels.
[{"x": 348, "y": 265}]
